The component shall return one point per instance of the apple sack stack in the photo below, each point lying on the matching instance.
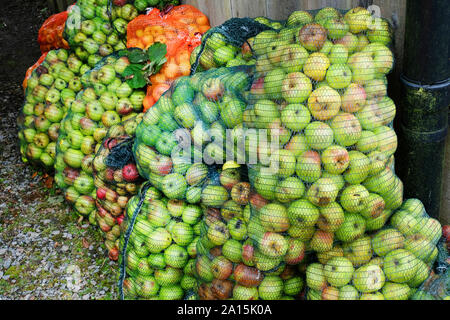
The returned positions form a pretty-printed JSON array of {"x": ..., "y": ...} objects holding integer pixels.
[
  {"x": 107, "y": 100},
  {"x": 96, "y": 28},
  {"x": 158, "y": 247},
  {"x": 116, "y": 180},
  {"x": 50, "y": 90}
]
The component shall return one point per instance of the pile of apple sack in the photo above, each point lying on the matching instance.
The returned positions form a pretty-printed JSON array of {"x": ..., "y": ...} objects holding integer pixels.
[
  {"x": 116, "y": 180},
  {"x": 51, "y": 89},
  {"x": 324, "y": 188},
  {"x": 107, "y": 100},
  {"x": 97, "y": 28}
]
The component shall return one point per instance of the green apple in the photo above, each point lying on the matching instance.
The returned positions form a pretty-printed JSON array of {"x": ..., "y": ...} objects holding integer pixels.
[
  {"x": 359, "y": 251},
  {"x": 319, "y": 135},
  {"x": 396, "y": 291},
  {"x": 358, "y": 169},
  {"x": 295, "y": 86},
  {"x": 386, "y": 241},
  {"x": 339, "y": 76},
  {"x": 289, "y": 189},
  {"x": 232, "y": 250},
  {"x": 158, "y": 240},
  {"x": 271, "y": 288},
  {"x": 322, "y": 192},
  {"x": 354, "y": 198},
  {"x": 338, "y": 271},
  {"x": 352, "y": 228},
  {"x": 293, "y": 286},
  {"x": 303, "y": 213},
  {"x": 368, "y": 278},
  {"x": 348, "y": 292},
  {"x": 176, "y": 256},
  {"x": 274, "y": 217},
  {"x": 324, "y": 103},
  {"x": 295, "y": 117},
  {"x": 400, "y": 266},
  {"x": 315, "y": 277}
]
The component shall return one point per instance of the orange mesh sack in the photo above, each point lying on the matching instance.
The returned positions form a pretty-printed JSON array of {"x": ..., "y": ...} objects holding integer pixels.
[
  {"x": 180, "y": 29},
  {"x": 51, "y": 33},
  {"x": 31, "y": 69}
]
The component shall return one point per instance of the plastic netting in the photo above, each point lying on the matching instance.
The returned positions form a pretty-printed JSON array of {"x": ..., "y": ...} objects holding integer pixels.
[
  {"x": 50, "y": 87},
  {"x": 107, "y": 100},
  {"x": 291, "y": 161},
  {"x": 31, "y": 69},
  {"x": 116, "y": 180},
  {"x": 50, "y": 35},
  {"x": 158, "y": 248},
  {"x": 228, "y": 44},
  {"x": 437, "y": 286},
  {"x": 180, "y": 28}
]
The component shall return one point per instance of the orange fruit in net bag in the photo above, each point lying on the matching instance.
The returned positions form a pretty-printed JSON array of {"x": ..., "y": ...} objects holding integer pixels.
[
  {"x": 172, "y": 70},
  {"x": 159, "y": 90},
  {"x": 147, "y": 40},
  {"x": 204, "y": 28},
  {"x": 202, "y": 20},
  {"x": 185, "y": 68},
  {"x": 148, "y": 102}
]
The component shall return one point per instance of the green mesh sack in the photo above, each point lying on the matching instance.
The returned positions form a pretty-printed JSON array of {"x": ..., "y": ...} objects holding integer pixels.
[
  {"x": 158, "y": 247},
  {"x": 51, "y": 89},
  {"x": 97, "y": 28},
  {"x": 116, "y": 180},
  {"x": 324, "y": 152},
  {"x": 107, "y": 100},
  {"x": 312, "y": 124},
  {"x": 228, "y": 45}
]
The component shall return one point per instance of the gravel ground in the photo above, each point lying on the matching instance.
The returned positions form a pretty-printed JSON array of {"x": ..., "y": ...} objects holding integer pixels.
[{"x": 44, "y": 252}]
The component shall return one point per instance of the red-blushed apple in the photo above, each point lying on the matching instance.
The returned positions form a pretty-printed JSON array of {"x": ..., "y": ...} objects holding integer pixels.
[
  {"x": 313, "y": 36},
  {"x": 330, "y": 293},
  {"x": 213, "y": 89},
  {"x": 295, "y": 252},
  {"x": 257, "y": 201},
  {"x": 273, "y": 244},
  {"x": 221, "y": 268},
  {"x": 324, "y": 103},
  {"x": 335, "y": 159},
  {"x": 322, "y": 241},
  {"x": 130, "y": 172},
  {"x": 248, "y": 251},
  {"x": 309, "y": 166},
  {"x": 221, "y": 289},
  {"x": 101, "y": 211},
  {"x": 120, "y": 219},
  {"x": 111, "y": 195},
  {"x": 69, "y": 175},
  {"x": 248, "y": 276},
  {"x": 101, "y": 193}
]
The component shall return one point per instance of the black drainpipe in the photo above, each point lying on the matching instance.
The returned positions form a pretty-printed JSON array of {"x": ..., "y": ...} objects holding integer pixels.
[{"x": 424, "y": 107}]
